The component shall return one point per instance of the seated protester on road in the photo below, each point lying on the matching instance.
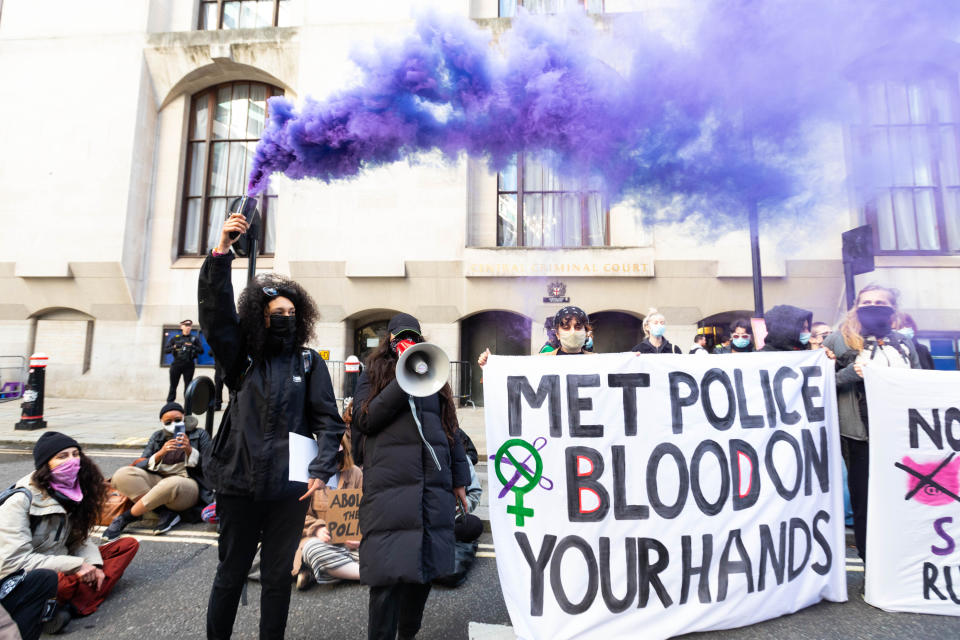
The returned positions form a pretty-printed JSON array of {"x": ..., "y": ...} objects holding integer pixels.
[
  {"x": 788, "y": 329},
  {"x": 908, "y": 329},
  {"x": 818, "y": 333},
  {"x": 866, "y": 339},
  {"x": 699, "y": 344},
  {"x": 170, "y": 479},
  {"x": 318, "y": 560},
  {"x": 741, "y": 337},
  {"x": 654, "y": 326},
  {"x": 27, "y": 600},
  {"x": 279, "y": 389},
  {"x": 414, "y": 472},
  {"x": 51, "y": 529}
]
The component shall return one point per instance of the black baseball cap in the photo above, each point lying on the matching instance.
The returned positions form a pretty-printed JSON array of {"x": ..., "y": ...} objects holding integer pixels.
[
  {"x": 188, "y": 321},
  {"x": 403, "y": 322}
]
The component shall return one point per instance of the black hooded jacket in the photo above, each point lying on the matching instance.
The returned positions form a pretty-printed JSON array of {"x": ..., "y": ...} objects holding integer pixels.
[
  {"x": 408, "y": 507},
  {"x": 784, "y": 326},
  {"x": 283, "y": 392},
  {"x": 665, "y": 347}
]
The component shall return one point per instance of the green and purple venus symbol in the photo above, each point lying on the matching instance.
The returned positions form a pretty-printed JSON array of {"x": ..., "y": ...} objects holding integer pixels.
[{"x": 524, "y": 478}]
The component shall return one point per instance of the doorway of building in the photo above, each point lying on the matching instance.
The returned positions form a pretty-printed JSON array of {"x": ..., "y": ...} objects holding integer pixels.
[
  {"x": 615, "y": 331},
  {"x": 504, "y": 332},
  {"x": 367, "y": 337}
]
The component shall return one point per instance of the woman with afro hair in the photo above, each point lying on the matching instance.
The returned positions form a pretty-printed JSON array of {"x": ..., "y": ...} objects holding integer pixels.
[{"x": 277, "y": 387}]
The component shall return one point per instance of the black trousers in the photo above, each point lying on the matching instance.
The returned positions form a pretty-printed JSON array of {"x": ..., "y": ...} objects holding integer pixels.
[
  {"x": 218, "y": 385},
  {"x": 178, "y": 369},
  {"x": 244, "y": 522},
  {"x": 27, "y": 601},
  {"x": 858, "y": 474},
  {"x": 396, "y": 608}
]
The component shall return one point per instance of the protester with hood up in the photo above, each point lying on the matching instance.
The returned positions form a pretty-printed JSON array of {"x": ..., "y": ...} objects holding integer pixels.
[
  {"x": 788, "y": 329},
  {"x": 279, "y": 389},
  {"x": 654, "y": 326},
  {"x": 169, "y": 480},
  {"x": 48, "y": 526},
  {"x": 414, "y": 473},
  {"x": 866, "y": 339}
]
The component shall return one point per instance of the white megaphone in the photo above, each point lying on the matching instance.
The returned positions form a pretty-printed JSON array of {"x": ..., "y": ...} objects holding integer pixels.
[{"x": 423, "y": 369}]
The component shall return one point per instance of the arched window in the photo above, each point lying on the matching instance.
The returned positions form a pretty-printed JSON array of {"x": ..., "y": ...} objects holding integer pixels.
[
  {"x": 225, "y": 125},
  {"x": 243, "y": 14}
]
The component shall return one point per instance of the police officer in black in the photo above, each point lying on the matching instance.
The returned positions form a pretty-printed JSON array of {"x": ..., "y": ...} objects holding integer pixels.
[{"x": 185, "y": 349}]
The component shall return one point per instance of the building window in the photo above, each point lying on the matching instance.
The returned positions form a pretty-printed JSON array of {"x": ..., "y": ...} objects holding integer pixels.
[
  {"x": 908, "y": 148},
  {"x": 508, "y": 8},
  {"x": 537, "y": 208},
  {"x": 243, "y": 14},
  {"x": 219, "y": 154},
  {"x": 944, "y": 348}
]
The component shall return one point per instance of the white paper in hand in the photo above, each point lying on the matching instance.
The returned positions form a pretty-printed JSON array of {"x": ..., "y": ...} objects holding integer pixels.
[{"x": 303, "y": 450}]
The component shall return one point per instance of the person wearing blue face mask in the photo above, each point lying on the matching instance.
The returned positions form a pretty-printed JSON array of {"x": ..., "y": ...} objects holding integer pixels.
[
  {"x": 741, "y": 337},
  {"x": 788, "y": 329},
  {"x": 655, "y": 326},
  {"x": 908, "y": 329}
]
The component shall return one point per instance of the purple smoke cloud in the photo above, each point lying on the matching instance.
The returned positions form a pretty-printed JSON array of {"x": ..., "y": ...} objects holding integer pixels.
[{"x": 713, "y": 119}]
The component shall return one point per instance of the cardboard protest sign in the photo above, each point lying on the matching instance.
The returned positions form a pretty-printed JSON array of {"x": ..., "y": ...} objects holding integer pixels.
[
  {"x": 913, "y": 514},
  {"x": 663, "y": 494},
  {"x": 343, "y": 515}
]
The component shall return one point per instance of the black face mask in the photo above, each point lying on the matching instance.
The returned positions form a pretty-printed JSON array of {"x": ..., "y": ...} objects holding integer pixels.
[
  {"x": 876, "y": 320},
  {"x": 282, "y": 326}
]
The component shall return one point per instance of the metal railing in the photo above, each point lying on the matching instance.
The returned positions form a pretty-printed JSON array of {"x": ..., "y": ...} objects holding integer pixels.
[
  {"x": 13, "y": 374},
  {"x": 461, "y": 382},
  {"x": 461, "y": 379}
]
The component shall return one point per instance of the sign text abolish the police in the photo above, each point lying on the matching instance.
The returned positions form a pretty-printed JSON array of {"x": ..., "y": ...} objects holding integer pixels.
[{"x": 675, "y": 493}]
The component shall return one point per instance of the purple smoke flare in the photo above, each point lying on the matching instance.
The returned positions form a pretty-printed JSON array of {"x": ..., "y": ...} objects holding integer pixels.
[{"x": 704, "y": 122}]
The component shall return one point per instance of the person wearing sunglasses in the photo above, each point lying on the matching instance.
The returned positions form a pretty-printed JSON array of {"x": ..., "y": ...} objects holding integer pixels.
[
  {"x": 278, "y": 387},
  {"x": 741, "y": 337}
]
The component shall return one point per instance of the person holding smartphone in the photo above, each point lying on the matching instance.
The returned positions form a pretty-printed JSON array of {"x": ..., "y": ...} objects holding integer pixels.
[{"x": 168, "y": 478}]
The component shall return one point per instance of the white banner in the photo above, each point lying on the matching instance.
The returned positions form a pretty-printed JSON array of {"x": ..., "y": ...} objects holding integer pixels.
[
  {"x": 663, "y": 494},
  {"x": 913, "y": 519}
]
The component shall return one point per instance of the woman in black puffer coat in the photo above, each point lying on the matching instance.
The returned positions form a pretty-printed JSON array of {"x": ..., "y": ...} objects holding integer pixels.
[{"x": 411, "y": 486}]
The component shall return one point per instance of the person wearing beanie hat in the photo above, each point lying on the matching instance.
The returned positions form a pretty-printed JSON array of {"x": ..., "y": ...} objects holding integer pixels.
[
  {"x": 50, "y": 444},
  {"x": 169, "y": 478},
  {"x": 48, "y": 526},
  {"x": 413, "y": 463}
]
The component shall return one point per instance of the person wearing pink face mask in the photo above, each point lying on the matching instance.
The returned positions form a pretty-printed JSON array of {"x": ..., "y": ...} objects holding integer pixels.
[{"x": 51, "y": 529}]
